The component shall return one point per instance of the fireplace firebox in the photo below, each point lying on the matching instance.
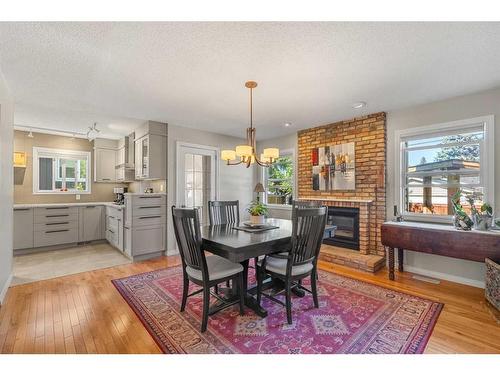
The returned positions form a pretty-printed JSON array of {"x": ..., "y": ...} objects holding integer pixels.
[{"x": 346, "y": 219}]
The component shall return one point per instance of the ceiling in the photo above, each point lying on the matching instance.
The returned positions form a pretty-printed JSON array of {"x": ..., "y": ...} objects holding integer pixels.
[{"x": 69, "y": 75}]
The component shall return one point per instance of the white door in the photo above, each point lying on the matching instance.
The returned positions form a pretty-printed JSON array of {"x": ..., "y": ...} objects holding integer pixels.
[{"x": 196, "y": 177}]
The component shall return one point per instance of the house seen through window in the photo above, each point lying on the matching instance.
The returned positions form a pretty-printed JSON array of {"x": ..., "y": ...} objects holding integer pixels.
[
  {"x": 279, "y": 180},
  {"x": 60, "y": 171},
  {"x": 436, "y": 165}
]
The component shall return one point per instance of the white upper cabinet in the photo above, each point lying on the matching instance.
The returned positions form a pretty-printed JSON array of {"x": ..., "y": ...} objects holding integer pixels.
[
  {"x": 105, "y": 160},
  {"x": 151, "y": 151}
]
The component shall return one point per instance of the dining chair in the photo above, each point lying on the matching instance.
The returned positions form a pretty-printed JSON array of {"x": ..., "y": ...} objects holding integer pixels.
[
  {"x": 224, "y": 212},
  {"x": 300, "y": 261},
  {"x": 199, "y": 269}
]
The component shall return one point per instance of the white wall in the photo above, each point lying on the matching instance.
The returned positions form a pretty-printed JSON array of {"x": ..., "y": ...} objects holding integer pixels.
[
  {"x": 459, "y": 108},
  {"x": 6, "y": 186},
  {"x": 235, "y": 183}
]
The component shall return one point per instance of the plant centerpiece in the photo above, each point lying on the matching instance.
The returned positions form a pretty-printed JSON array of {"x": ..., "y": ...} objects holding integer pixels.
[{"x": 257, "y": 211}]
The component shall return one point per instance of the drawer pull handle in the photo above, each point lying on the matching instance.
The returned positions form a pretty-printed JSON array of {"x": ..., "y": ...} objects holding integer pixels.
[
  {"x": 89, "y": 206},
  {"x": 57, "y": 208},
  {"x": 56, "y": 215},
  {"x": 150, "y": 207},
  {"x": 111, "y": 217},
  {"x": 149, "y": 217},
  {"x": 22, "y": 209},
  {"x": 154, "y": 196},
  {"x": 62, "y": 222},
  {"x": 56, "y": 231},
  {"x": 109, "y": 230}
]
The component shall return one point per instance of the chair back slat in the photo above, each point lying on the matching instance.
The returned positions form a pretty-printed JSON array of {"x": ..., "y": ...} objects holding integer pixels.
[
  {"x": 224, "y": 212},
  {"x": 307, "y": 234},
  {"x": 187, "y": 233}
]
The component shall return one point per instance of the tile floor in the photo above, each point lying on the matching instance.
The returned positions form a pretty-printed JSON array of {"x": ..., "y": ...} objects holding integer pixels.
[{"x": 55, "y": 263}]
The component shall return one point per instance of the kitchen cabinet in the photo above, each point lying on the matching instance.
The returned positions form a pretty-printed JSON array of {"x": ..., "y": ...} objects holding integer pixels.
[
  {"x": 91, "y": 223},
  {"x": 145, "y": 224},
  {"x": 151, "y": 151},
  {"x": 55, "y": 225},
  {"x": 23, "y": 228},
  {"x": 104, "y": 165},
  {"x": 114, "y": 227}
]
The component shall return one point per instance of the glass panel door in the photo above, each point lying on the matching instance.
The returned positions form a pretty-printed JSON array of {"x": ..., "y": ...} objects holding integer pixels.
[{"x": 196, "y": 179}]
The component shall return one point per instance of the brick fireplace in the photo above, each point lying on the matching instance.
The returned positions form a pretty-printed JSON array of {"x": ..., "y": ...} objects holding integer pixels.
[{"x": 369, "y": 136}]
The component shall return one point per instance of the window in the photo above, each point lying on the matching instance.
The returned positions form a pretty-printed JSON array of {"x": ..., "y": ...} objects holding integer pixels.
[
  {"x": 60, "y": 171},
  {"x": 278, "y": 180},
  {"x": 439, "y": 160}
]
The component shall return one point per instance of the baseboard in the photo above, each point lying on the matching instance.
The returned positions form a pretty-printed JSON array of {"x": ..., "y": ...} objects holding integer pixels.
[
  {"x": 3, "y": 292},
  {"x": 172, "y": 252},
  {"x": 445, "y": 276}
]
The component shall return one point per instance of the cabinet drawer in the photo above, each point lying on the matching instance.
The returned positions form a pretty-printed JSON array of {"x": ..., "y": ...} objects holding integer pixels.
[
  {"x": 112, "y": 223},
  {"x": 149, "y": 210},
  {"x": 112, "y": 237},
  {"x": 148, "y": 200},
  {"x": 56, "y": 225},
  {"x": 148, "y": 220},
  {"x": 42, "y": 211},
  {"x": 56, "y": 217},
  {"x": 51, "y": 237}
]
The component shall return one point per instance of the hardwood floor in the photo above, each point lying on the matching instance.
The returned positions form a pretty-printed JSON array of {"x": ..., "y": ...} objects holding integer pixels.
[{"x": 84, "y": 313}]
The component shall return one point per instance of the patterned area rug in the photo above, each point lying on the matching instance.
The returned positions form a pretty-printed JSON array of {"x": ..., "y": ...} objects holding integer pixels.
[{"x": 353, "y": 317}]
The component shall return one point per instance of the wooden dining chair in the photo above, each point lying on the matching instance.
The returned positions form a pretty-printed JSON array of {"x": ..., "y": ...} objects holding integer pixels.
[
  {"x": 300, "y": 262},
  {"x": 204, "y": 271},
  {"x": 224, "y": 212}
]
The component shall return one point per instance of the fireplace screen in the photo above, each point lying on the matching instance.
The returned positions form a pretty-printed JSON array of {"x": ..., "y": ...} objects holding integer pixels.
[{"x": 346, "y": 220}]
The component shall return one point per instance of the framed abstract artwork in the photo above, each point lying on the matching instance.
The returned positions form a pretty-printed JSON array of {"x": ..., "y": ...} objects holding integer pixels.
[{"x": 333, "y": 167}]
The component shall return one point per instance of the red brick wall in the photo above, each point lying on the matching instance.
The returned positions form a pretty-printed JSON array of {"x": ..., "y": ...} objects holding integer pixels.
[{"x": 369, "y": 136}]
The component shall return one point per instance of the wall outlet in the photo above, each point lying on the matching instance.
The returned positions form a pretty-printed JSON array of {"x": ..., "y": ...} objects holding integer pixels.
[{"x": 77, "y": 197}]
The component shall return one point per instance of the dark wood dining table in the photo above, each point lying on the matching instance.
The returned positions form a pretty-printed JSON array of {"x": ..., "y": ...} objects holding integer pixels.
[{"x": 240, "y": 246}]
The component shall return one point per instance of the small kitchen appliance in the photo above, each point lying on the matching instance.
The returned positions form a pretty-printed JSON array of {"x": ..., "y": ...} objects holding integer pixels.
[{"x": 119, "y": 194}]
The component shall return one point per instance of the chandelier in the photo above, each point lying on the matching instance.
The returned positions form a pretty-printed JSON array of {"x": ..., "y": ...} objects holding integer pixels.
[{"x": 248, "y": 153}]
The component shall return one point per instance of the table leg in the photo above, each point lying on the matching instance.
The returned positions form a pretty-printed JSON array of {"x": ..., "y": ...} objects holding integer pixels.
[
  {"x": 390, "y": 256},
  {"x": 400, "y": 259},
  {"x": 250, "y": 300}
]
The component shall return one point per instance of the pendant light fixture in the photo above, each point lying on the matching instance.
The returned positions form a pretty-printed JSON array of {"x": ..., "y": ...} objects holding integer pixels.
[{"x": 247, "y": 153}]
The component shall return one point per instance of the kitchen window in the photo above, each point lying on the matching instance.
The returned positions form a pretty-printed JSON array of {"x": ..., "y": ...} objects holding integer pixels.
[
  {"x": 279, "y": 180},
  {"x": 58, "y": 171},
  {"x": 436, "y": 161}
]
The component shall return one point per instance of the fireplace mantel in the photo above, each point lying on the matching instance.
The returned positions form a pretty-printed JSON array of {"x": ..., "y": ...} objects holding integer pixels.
[{"x": 325, "y": 199}]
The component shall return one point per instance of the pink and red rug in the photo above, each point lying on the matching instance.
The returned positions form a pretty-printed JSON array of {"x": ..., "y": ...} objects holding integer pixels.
[{"x": 353, "y": 317}]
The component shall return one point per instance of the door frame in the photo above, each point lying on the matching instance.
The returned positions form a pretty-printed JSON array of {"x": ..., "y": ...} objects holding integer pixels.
[{"x": 178, "y": 185}]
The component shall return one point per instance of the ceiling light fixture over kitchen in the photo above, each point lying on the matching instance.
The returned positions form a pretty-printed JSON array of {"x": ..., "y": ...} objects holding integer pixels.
[
  {"x": 288, "y": 124},
  {"x": 92, "y": 131},
  {"x": 248, "y": 153}
]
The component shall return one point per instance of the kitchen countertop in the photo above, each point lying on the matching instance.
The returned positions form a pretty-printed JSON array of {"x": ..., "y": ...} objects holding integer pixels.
[
  {"x": 159, "y": 193},
  {"x": 79, "y": 204}
]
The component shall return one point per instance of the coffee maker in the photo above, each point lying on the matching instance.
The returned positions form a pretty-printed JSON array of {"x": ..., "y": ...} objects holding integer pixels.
[{"x": 119, "y": 194}]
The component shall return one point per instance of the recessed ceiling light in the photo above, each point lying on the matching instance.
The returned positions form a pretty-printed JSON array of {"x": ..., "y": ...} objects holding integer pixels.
[
  {"x": 288, "y": 124},
  {"x": 359, "y": 105}
]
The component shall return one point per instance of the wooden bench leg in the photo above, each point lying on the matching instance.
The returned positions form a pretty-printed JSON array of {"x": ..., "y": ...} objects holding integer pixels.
[
  {"x": 400, "y": 260},
  {"x": 390, "y": 256}
]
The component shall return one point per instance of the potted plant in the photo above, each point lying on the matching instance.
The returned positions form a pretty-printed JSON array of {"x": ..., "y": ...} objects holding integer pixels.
[
  {"x": 461, "y": 220},
  {"x": 257, "y": 211}
]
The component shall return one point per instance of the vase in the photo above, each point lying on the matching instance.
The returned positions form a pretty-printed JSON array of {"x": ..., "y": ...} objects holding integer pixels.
[
  {"x": 462, "y": 222},
  {"x": 482, "y": 222},
  {"x": 257, "y": 219}
]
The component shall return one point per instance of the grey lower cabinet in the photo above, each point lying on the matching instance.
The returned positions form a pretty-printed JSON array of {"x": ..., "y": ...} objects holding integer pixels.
[
  {"x": 23, "y": 228},
  {"x": 145, "y": 225},
  {"x": 55, "y": 226},
  {"x": 114, "y": 227},
  {"x": 91, "y": 223}
]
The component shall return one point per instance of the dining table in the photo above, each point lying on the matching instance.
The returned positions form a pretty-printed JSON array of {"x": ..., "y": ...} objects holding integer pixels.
[{"x": 241, "y": 246}]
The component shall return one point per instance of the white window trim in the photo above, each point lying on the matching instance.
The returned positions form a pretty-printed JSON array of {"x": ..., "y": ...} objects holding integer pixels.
[
  {"x": 42, "y": 150},
  {"x": 487, "y": 162},
  {"x": 289, "y": 151}
]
